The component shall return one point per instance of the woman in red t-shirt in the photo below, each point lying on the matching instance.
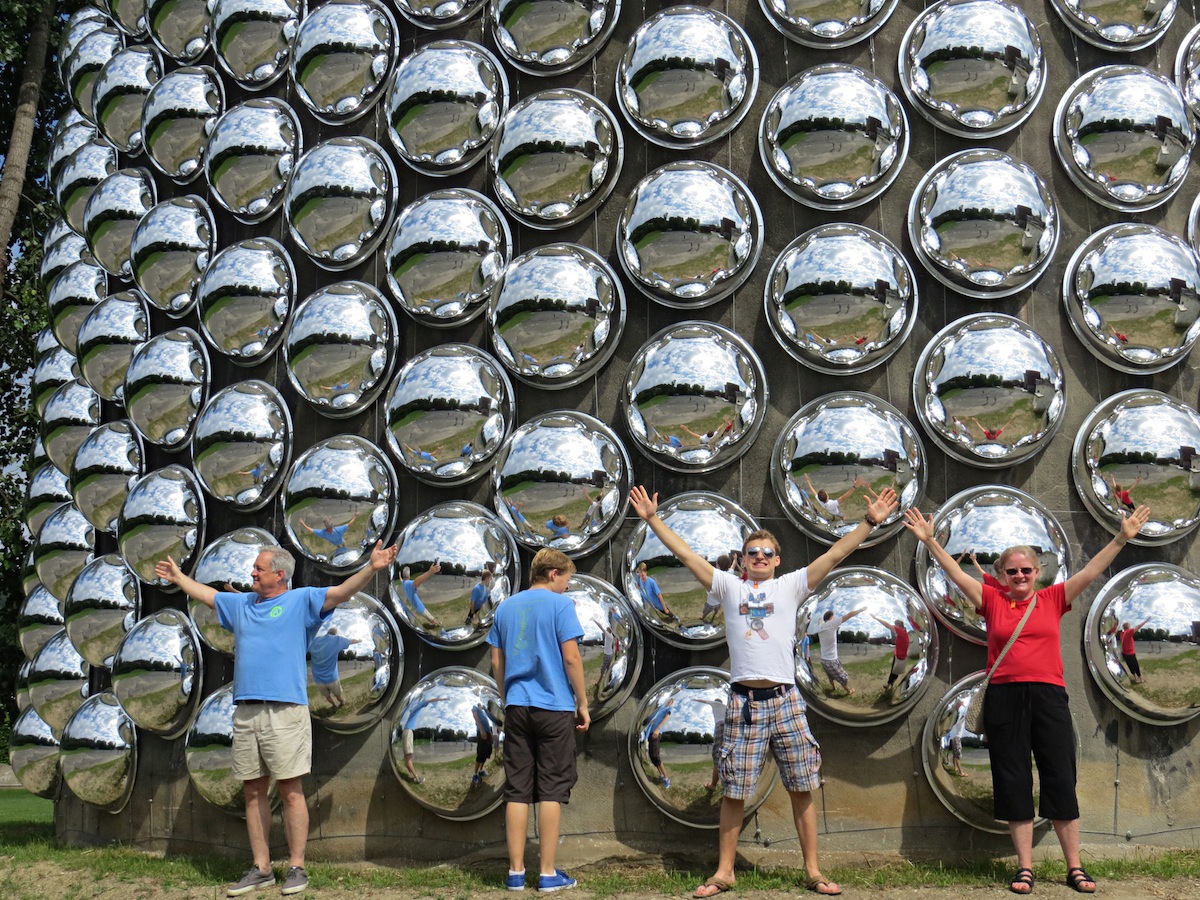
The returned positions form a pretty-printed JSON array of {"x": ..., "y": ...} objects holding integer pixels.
[
  {"x": 1026, "y": 711},
  {"x": 1125, "y": 633}
]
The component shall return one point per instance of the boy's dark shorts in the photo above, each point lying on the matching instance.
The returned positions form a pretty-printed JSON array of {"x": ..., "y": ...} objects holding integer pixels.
[{"x": 539, "y": 755}]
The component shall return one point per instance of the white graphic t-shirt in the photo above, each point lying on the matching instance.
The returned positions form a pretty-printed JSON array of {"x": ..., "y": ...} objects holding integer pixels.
[
  {"x": 760, "y": 624},
  {"x": 828, "y": 632}
]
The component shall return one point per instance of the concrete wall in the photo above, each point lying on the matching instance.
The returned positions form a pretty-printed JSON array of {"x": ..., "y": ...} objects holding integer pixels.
[{"x": 1137, "y": 782}]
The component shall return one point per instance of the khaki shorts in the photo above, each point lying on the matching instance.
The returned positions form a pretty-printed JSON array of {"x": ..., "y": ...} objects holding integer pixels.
[{"x": 271, "y": 739}]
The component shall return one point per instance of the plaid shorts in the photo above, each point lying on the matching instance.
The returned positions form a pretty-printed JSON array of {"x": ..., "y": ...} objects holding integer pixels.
[
  {"x": 833, "y": 668},
  {"x": 777, "y": 723}
]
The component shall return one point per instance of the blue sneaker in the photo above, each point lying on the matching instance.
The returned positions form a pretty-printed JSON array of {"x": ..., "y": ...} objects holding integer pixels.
[
  {"x": 515, "y": 882},
  {"x": 559, "y": 881},
  {"x": 666, "y": 782}
]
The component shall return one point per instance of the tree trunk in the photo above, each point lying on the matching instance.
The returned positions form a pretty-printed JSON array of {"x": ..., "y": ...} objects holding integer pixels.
[{"x": 12, "y": 181}]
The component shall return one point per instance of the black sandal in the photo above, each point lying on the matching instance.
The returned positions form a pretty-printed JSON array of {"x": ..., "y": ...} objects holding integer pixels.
[
  {"x": 1077, "y": 877},
  {"x": 1024, "y": 877}
]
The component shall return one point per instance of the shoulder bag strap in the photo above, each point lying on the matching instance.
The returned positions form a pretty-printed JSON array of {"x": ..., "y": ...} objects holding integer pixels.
[{"x": 1012, "y": 640}]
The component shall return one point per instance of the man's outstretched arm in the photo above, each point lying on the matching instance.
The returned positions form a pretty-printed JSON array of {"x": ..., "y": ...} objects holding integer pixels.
[
  {"x": 169, "y": 570},
  {"x": 877, "y": 510},
  {"x": 646, "y": 507},
  {"x": 381, "y": 558}
]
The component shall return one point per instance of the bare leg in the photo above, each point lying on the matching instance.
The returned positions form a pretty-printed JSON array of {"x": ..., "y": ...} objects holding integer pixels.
[
  {"x": 549, "y": 817},
  {"x": 730, "y": 826},
  {"x": 258, "y": 820},
  {"x": 295, "y": 818},
  {"x": 805, "y": 815},
  {"x": 1022, "y": 838},
  {"x": 1068, "y": 838},
  {"x": 516, "y": 823}
]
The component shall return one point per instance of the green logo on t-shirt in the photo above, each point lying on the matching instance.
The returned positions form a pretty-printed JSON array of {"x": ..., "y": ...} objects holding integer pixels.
[{"x": 276, "y": 612}]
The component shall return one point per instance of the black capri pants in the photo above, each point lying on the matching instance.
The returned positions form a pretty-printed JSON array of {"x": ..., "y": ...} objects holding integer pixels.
[{"x": 1024, "y": 719}]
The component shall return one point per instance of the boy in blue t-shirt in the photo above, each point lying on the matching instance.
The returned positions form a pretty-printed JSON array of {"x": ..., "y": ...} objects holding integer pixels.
[
  {"x": 536, "y": 663},
  {"x": 479, "y": 596}
]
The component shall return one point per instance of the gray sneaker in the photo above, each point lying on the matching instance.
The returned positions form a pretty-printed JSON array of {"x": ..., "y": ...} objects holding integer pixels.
[
  {"x": 295, "y": 881},
  {"x": 251, "y": 881}
]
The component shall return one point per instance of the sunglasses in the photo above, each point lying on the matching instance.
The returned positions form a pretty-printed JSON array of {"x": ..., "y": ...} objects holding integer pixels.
[
  {"x": 1024, "y": 570},
  {"x": 765, "y": 552}
]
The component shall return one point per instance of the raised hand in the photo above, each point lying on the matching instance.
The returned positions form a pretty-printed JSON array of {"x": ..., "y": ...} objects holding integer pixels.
[
  {"x": 882, "y": 505},
  {"x": 382, "y": 557},
  {"x": 168, "y": 570},
  {"x": 643, "y": 503},
  {"x": 1132, "y": 524},
  {"x": 918, "y": 524}
]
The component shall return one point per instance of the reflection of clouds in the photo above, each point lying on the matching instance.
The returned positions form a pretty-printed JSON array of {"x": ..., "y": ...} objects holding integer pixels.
[
  {"x": 242, "y": 409},
  {"x": 340, "y": 465},
  {"x": 1168, "y": 601},
  {"x": 1000, "y": 185},
  {"x": 696, "y": 36},
  {"x": 852, "y": 257},
  {"x": 453, "y": 70},
  {"x": 865, "y": 430},
  {"x": 554, "y": 272},
  {"x": 1146, "y": 425},
  {"x": 342, "y": 28},
  {"x": 442, "y": 376},
  {"x": 686, "y": 358},
  {"x": 1007, "y": 350},
  {"x": 554, "y": 117},
  {"x": 979, "y": 527},
  {"x": 1145, "y": 255},
  {"x": 168, "y": 492},
  {"x": 556, "y": 444},
  {"x": 977, "y": 26},
  {"x": 455, "y": 540},
  {"x": 1132, "y": 96},
  {"x": 351, "y": 165},
  {"x": 346, "y": 309},
  {"x": 835, "y": 95},
  {"x": 692, "y": 191},
  {"x": 440, "y": 218}
]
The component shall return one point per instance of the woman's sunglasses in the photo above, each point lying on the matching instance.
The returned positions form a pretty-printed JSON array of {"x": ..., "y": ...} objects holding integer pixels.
[
  {"x": 765, "y": 552},
  {"x": 1024, "y": 570}
]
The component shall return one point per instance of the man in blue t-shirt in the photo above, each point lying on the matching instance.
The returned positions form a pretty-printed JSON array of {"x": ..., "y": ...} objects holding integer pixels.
[
  {"x": 537, "y": 666},
  {"x": 479, "y": 595},
  {"x": 333, "y": 534},
  {"x": 272, "y": 731},
  {"x": 652, "y": 594},
  {"x": 324, "y": 651}
]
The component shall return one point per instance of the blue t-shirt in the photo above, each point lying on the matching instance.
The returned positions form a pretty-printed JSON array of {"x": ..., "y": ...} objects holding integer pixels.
[
  {"x": 324, "y": 651},
  {"x": 652, "y": 594},
  {"x": 410, "y": 591},
  {"x": 478, "y": 597},
  {"x": 335, "y": 535},
  {"x": 560, "y": 530},
  {"x": 272, "y": 642},
  {"x": 529, "y": 627}
]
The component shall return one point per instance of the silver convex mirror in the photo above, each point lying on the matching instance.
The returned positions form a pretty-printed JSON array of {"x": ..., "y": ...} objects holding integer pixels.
[
  {"x": 86, "y": 167},
  {"x": 688, "y": 76},
  {"x": 106, "y": 465},
  {"x": 1117, "y": 28},
  {"x": 690, "y": 234},
  {"x": 71, "y": 413},
  {"x": 82, "y": 66},
  {"x": 448, "y": 411},
  {"x": 881, "y": 634},
  {"x": 177, "y": 117},
  {"x": 34, "y": 751},
  {"x": 98, "y": 755},
  {"x": 695, "y": 397},
  {"x": 435, "y": 15},
  {"x": 112, "y": 214},
  {"x": 827, "y": 24},
  {"x": 445, "y": 254},
  {"x": 989, "y": 390},
  {"x": 102, "y": 605},
  {"x": 355, "y": 666},
  {"x": 38, "y": 620},
  {"x": 552, "y": 36},
  {"x": 983, "y": 223},
  {"x": 119, "y": 94},
  {"x": 455, "y": 562},
  {"x": 224, "y": 563},
  {"x": 1187, "y": 69},
  {"x": 974, "y": 68},
  {"x": 108, "y": 337},
  {"x": 562, "y": 480},
  {"x": 1139, "y": 642},
  {"x": 46, "y": 490},
  {"x": 556, "y": 158},
  {"x": 675, "y": 743},
  {"x": 556, "y": 315},
  {"x": 243, "y": 444},
  {"x": 76, "y": 291},
  {"x": 976, "y": 526},
  {"x": 58, "y": 681},
  {"x": 610, "y": 634},
  {"x": 1130, "y": 294},
  {"x": 339, "y": 200},
  {"x": 251, "y": 151},
  {"x": 165, "y": 386},
  {"x": 55, "y": 367},
  {"x": 1125, "y": 137},
  {"x": 443, "y": 713},
  {"x": 661, "y": 590},
  {"x": 341, "y": 57},
  {"x": 338, "y": 501},
  {"x": 838, "y": 452},
  {"x": 169, "y": 251},
  {"x": 63, "y": 546},
  {"x": 445, "y": 104},
  {"x": 841, "y": 298},
  {"x": 158, "y": 673},
  {"x": 1138, "y": 447},
  {"x": 180, "y": 28},
  {"x": 162, "y": 516},
  {"x": 253, "y": 38},
  {"x": 208, "y": 751},
  {"x": 340, "y": 347},
  {"x": 244, "y": 299},
  {"x": 834, "y": 137}
]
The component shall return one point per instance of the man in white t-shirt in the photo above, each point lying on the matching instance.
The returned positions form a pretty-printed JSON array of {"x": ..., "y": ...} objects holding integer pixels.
[
  {"x": 827, "y": 632},
  {"x": 766, "y": 711}
]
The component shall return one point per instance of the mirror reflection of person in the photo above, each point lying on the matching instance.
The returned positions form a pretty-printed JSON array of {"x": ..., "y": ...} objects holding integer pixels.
[
  {"x": 827, "y": 632},
  {"x": 955, "y": 737},
  {"x": 485, "y": 727},
  {"x": 479, "y": 595},
  {"x": 653, "y": 738},
  {"x": 324, "y": 652},
  {"x": 720, "y": 709},
  {"x": 899, "y": 648},
  {"x": 652, "y": 594},
  {"x": 1123, "y": 495},
  {"x": 410, "y": 585},
  {"x": 987, "y": 578},
  {"x": 258, "y": 472},
  {"x": 1125, "y": 633},
  {"x": 328, "y": 532},
  {"x": 833, "y": 505},
  {"x": 406, "y": 737},
  {"x": 514, "y": 509},
  {"x": 559, "y": 526},
  {"x": 1026, "y": 716},
  {"x": 992, "y": 434},
  {"x": 423, "y": 455}
]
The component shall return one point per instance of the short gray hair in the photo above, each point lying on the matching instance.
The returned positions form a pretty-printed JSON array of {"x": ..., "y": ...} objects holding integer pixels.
[{"x": 282, "y": 561}]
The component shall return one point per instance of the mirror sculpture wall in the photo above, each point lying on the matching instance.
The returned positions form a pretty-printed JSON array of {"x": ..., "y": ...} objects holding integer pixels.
[{"x": 326, "y": 274}]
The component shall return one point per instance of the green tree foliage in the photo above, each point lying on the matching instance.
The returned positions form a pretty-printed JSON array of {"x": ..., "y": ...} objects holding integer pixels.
[{"x": 22, "y": 315}]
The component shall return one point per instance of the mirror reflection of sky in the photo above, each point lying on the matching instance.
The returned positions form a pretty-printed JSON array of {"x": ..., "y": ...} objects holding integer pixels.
[
  {"x": 441, "y": 375},
  {"x": 704, "y": 359},
  {"x": 1147, "y": 255},
  {"x": 1137, "y": 95},
  {"x": 984, "y": 25},
  {"x": 852, "y": 256},
  {"x": 456, "y": 221},
  {"x": 452, "y": 539},
  {"x": 997, "y": 524},
  {"x": 1000, "y": 185},
  {"x": 344, "y": 308},
  {"x": 340, "y": 28},
  {"x": 346, "y": 163},
  {"x": 1150, "y": 425},
  {"x": 553, "y": 116},
  {"x": 261, "y": 127},
  {"x": 169, "y": 491},
  {"x": 97, "y": 722},
  {"x": 554, "y": 444},
  {"x": 692, "y": 190},
  {"x": 1007, "y": 349},
  {"x": 552, "y": 272},
  {"x": 856, "y": 427},
  {"x": 242, "y": 409},
  {"x": 710, "y": 532},
  {"x": 697, "y": 35},
  {"x": 1170, "y": 603},
  {"x": 834, "y": 95},
  {"x": 442, "y": 69},
  {"x": 339, "y": 464}
]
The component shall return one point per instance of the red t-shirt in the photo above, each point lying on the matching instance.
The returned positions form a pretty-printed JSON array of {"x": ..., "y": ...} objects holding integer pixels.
[
  {"x": 996, "y": 583},
  {"x": 1127, "y": 642},
  {"x": 901, "y": 642},
  {"x": 1037, "y": 654}
]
